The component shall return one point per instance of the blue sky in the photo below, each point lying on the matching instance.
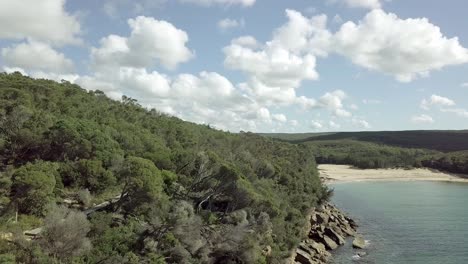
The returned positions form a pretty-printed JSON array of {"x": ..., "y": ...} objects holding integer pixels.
[{"x": 255, "y": 65}]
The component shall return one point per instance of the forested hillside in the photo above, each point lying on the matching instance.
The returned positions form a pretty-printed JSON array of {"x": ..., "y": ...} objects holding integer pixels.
[
  {"x": 446, "y": 141},
  {"x": 366, "y": 155},
  {"x": 183, "y": 193}
]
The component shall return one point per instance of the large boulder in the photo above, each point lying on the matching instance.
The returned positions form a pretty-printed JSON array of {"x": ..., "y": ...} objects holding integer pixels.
[
  {"x": 303, "y": 257},
  {"x": 318, "y": 247},
  {"x": 359, "y": 242},
  {"x": 329, "y": 243},
  {"x": 322, "y": 218},
  {"x": 335, "y": 236}
]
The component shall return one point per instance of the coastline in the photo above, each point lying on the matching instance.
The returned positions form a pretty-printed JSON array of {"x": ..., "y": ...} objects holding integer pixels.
[{"x": 332, "y": 173}]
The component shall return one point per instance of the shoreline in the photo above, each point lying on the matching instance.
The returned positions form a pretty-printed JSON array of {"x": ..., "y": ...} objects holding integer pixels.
[{"x": 332, "y": 173}]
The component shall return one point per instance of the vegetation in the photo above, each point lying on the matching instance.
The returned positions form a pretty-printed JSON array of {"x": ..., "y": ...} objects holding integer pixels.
[
  {"x": 178, "y": 192},
  {"x": 366, "y": 155},
  {"x": 441, "y": 150},
  {"x": 440, "y": 140}
]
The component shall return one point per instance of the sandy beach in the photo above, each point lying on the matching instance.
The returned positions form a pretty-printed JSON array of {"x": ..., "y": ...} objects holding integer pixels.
[{"x": 345, "y": 173}]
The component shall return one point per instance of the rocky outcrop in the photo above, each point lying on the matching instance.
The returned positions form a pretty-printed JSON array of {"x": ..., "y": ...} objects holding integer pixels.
[
  {"x": 359, "y": 242},
  {"x": 328, "y": 230}
]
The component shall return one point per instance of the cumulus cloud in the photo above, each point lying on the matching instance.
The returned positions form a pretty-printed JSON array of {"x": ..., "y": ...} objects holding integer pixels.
[
  {"x": 371, "y": 101},
  {"x": 150, "y": 41},
  {"x": 458, "y": 111},
  {"x": 44, "y": 75},
  {"x": 436, "y": 100},
  {"x": 208, "y": 97},
  {"x": 287, "y": 59},
  {"x": 228, "y": 23},
  {"x": 334, "y": 102},
  {"x": 276, "y": 68},
  {"x": 45, "y": 20},
  {"x": 333, "y": 125},
  {"x": 113, "y": 8},
  {"x": 369, "y": 4},
  {"x": 360, "y": 123},
  {"x": 244, "y": 3},
  {"x": 404, "y": 48},
  {"x": 280, "y": 118},
  {"x": 35, "y": 55},
  {"x": 316, "y": 125},
  {"x": 422, "y": 119}
]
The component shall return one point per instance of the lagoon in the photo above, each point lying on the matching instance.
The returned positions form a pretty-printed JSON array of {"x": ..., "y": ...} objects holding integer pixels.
[{"x": 406, "y": 222}]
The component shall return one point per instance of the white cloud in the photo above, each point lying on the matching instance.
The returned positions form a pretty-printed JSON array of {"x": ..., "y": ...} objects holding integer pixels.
[
  {"x": 337, "y": 19},
  {"x": 275, "y": 69},
  {"x": 459, "y": 111},
  {"x": 287, "y": 59},
  {"x": 44, "y": 75},
  {"x": 371, "y": 101},
  {"x": 114, "y": 8},
  {"x": 422, "y": 119},
  {"x": 244, "y": 3},
  {"x": 274, "y": 66},
  {"x": 369, "y": 4},
  {"x": 246, "y": 41},
  {"x": 228, "y": 23},
  {"x": 333, "y": 125},
  {"x": 436, "y": 100},
  {"x": 315, "y": 125},
  {"x": 404, "y": 48},
  {"x": 280, "y": 118},
  {"x": 333, "y": 101},
  {"x": 35, "y": 55},
  {"x": 150, "y": 41},
  {"x": 45, "y": 20},
  {"x": 360, "y": 123},
  {"x": 187, "y": 96},
  {"x": 464, "y": 84},
  {"x": 354, "y": 107}
]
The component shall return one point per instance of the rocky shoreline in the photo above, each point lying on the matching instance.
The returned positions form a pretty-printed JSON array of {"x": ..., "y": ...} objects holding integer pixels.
[{"x": 329, "y": 228}]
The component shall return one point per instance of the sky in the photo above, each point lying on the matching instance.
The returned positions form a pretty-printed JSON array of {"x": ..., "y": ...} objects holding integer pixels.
[{"x": 255, "y": 65}]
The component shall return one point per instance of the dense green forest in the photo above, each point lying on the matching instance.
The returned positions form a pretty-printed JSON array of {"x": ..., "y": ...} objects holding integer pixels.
[
  {"x": 441, "y": 150},
  {"x": 366, "y": 155},
  {"x": 179, "y": 192},
  {"x": 445, "y": 141}
]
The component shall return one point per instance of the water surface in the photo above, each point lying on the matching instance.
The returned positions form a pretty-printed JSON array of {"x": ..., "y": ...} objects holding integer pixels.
[{"x": 407, "y": 222}]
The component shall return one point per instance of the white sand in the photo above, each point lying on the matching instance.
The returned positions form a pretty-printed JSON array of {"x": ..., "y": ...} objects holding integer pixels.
[{"x": 346, "y": 173}]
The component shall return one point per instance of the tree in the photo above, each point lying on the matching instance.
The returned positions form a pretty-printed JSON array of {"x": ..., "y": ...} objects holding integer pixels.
[
  {"x": 65, "y": 233},
  {"x": 33, "y": 186},
  {"x": 143, "y": 183},
  {"x": 94, "y": 176}
]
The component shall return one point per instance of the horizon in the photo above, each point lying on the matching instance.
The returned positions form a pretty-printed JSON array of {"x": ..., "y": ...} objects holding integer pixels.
[{"x": 254, "y": 65}]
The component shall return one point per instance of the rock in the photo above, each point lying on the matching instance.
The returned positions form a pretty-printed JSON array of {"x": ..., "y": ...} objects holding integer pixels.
[
  {"x": 322, "y": 218},
  {"x": 313, "y": 218},
  {"x": 303, "y": 257},
  {"x": 318, "y": 247},
  {"x": 329, "y": 243},
  {"x": 348, "y": 230},
  {"x": 359, "y": 242},
  {"x": 307, "y": 248},
  {"x": 361, "y": 253},
  {"x": 267, "y": 251},
  {"x": 335, "y": 236},
  {"x": 34, "y": 232}
]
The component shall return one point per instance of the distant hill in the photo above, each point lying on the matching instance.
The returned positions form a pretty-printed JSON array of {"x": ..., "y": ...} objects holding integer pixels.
[
  {"x": 441, "y": 140},
  {"x": 294, "y": 136}
]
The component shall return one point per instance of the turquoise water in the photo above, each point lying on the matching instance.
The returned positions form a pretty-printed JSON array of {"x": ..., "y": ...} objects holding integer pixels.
[{"x": 407, "y": 222}]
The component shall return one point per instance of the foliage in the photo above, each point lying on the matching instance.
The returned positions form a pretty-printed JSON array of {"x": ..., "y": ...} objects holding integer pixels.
[
  {"x": 33, "y": 186},
  {"x": 188, "y": 193}
]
